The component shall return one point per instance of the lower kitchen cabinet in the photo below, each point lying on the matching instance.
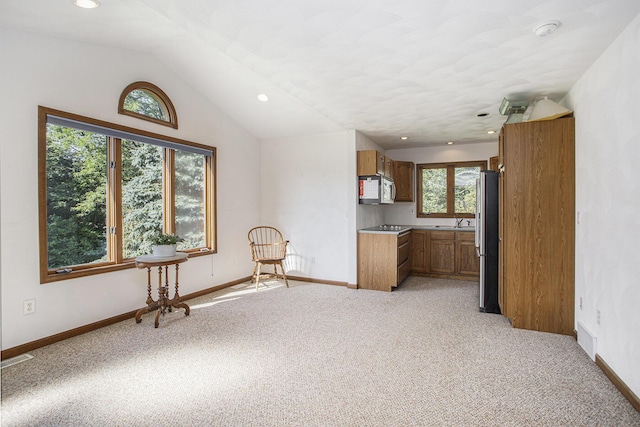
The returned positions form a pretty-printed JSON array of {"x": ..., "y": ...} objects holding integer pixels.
[
  {"x": 443, "y": 248},
  {"x": 446, "y": 254},
  {"x": 467, "y": 261},
  {"x": 420, "y": 249},
  {"x": 383, "y": 260}
]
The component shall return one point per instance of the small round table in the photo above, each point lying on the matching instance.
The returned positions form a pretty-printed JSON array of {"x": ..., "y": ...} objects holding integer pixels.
[{"x": 163, "y": 303}]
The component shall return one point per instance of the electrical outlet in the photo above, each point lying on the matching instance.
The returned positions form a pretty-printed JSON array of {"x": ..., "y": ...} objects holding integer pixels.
[
  {"x": 598, "y": 317},
  {"x": 29, "y": 306}
]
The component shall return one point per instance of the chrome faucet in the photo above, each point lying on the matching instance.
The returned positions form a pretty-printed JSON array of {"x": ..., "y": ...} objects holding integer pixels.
[{"x": 458, "y": 222}]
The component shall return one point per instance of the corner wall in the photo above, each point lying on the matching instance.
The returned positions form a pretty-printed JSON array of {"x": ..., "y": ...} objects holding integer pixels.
[
  {"x": 608, "y": 201},
  {"x": 308, "y": 191},
  {"x": 87, "y": 79}
]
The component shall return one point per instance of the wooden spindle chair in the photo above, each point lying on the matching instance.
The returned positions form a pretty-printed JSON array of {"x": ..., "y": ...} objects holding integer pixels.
[{"x": 267, "y": 247}]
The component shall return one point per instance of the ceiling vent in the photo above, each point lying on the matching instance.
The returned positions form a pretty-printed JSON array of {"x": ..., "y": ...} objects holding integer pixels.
[{"x": 513, "y": 109}]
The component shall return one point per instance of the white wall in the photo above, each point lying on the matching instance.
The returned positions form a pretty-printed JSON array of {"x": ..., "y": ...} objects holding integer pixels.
[
  {"x": 605, "y": 101},
  {"x": 88, "y": 79},
  {"x": 404, "y": 213},
  {"x": 308, "y": 191}
]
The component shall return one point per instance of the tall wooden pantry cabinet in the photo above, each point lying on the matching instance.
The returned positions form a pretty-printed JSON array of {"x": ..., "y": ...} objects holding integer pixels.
[{"x": 537, "y": 242}]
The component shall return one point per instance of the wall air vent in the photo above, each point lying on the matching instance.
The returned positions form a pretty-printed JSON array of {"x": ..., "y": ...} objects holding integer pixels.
[{"x": 587, "y": 341}]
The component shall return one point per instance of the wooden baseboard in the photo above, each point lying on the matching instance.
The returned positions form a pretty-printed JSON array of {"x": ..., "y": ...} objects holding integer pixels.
[
  {"x": 24, "y": 348},
  {"x": 312, "y": 280},
  {"x": 620, "y": 385},
  {"x": 469, "y": 278}
]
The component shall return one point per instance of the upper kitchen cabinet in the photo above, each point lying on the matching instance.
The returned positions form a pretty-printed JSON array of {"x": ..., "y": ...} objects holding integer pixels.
[
  {"x": 537, "y": 190},
  {"x": 371, "y": 162},
  {"x": 403, "y": 176}
]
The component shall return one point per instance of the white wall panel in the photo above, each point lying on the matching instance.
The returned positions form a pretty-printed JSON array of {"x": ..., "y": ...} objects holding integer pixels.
[
  {"x": 608, "y": 201},
  {"x": 87, "y": 79}
]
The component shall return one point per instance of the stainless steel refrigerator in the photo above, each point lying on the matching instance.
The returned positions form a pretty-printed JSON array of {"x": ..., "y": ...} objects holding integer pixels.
[{"x": 487, "y": 239}]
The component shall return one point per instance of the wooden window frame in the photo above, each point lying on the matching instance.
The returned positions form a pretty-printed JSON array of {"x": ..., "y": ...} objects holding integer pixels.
[
  {"x": 114, "y": 199},
  {"x": 157, "y": 94},
  {"x": 450, "y": 167}
]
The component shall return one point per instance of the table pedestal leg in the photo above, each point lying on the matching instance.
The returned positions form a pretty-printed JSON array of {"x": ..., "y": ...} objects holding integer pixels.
[
  {"x": 151, "y": 304},
  {"x": 164, "y": 303}
]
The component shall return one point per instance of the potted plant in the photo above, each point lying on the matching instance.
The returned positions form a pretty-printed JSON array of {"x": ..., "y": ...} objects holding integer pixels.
[{"x": 164, "y": 245}]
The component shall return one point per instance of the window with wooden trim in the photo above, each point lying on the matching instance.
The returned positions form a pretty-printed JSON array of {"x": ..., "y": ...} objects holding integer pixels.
[
  {"x": 147, "y": 101},
  {"x": 106, "y": 190},
  {"x": 447, "y": 190}
]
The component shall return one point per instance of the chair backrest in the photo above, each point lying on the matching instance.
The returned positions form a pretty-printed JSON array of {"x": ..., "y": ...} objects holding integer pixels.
[{"x": 267, "y": 243}]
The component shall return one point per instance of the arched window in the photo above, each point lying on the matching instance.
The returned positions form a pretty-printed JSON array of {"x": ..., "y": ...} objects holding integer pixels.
[{"x": 147, "y": 101}]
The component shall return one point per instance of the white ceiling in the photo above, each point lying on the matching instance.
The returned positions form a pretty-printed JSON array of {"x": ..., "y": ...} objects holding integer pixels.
[{"x": 388, "y": 68}]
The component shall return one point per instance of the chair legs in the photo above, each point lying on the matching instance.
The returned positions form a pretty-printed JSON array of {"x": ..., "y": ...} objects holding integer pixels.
[
  {"x": 258, "y": 267},
  {"x": 284, "y": 275}
]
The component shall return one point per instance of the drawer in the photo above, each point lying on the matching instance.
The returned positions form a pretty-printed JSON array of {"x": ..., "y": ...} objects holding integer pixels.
[
  {"x": 403, "y": 271},
  {"x": 403, "y": 252},
  {"x": 466, "y": 236},
  {"x": 404, "y": 238},
  {"x": 443, "y": 235}
]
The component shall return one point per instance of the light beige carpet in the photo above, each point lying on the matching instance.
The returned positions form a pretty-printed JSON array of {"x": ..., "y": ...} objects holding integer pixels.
[{"x": 316, "y": 355}]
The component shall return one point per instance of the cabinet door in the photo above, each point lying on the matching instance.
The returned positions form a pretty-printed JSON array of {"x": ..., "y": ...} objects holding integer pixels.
[
  {"x": 420, "y": 251},
  {"x": 442, "y": 250},
  {"x": 467, "y": 262},
  {"x": 371, "y": 162},
  {"x": 537, "y": 206},
  {"x": 403, "y": 177}
]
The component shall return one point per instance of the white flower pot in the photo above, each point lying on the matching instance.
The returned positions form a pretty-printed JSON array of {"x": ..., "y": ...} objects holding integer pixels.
[{"x": 164, "y": 250}]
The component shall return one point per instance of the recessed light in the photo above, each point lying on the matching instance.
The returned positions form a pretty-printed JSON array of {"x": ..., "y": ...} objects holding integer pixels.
[
  {"x": 404, "y": 138},
  {"x": 491, "y": 132},
  {"x": 86, "y": 4},
  {"x": 262, "y": 97},
  {"x": 450, "y": 143}
]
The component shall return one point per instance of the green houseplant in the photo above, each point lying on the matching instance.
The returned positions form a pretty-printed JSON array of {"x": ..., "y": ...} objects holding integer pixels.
[{"x": 164, "y": 245}]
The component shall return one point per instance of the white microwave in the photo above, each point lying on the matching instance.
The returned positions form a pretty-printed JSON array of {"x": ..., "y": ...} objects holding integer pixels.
[{"x": 376, "y": 190}]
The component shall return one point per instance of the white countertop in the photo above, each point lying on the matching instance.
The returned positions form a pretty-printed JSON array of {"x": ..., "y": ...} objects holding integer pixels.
[{"x": 399, "y": 229}]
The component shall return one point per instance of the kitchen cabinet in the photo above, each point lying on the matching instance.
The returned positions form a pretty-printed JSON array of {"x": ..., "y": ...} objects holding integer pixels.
[
  {"x": 371, "y": 162},
  {"x": 442, "y": 249},
  {"x": 447, "y": 254},
  {"x": 383, "y": 260},
  {"x": 467, "y": 261},
  {"x": 403, "y": 177},
  {"x": 536, "y": 246},
  {"x": 420, "y": 254}
]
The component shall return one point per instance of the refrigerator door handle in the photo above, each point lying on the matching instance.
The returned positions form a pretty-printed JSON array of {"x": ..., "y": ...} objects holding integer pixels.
[{"x": 478, "y": 253}]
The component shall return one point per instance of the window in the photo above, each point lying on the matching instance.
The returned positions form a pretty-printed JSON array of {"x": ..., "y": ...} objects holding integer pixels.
[
  {"x": 147, "y": 101},
  {"x": 105, "y": 190},
  {"x": 448, "y": 190}
]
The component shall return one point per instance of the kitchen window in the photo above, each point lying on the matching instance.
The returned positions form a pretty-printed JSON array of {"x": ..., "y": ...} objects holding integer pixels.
[
  {"x": 447, "y": 190},
  {"x": 106, "y": 189}
]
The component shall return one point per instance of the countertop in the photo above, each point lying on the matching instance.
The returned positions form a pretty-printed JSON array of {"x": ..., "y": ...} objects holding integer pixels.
[{"x": 399, "y": 229}]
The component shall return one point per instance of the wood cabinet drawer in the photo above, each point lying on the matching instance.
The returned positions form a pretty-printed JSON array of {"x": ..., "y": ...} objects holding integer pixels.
[
  {"x": 403, "y": 252},
  {"x": 404, "y": 238},
  {"x": 443, "y": 235},
  {"x": 403, "y": 271},
  {"x": 466, "y": 236}
]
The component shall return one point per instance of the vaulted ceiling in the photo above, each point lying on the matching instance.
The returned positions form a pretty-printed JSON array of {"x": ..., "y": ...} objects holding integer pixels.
[{"x": 388, "y": 68}]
